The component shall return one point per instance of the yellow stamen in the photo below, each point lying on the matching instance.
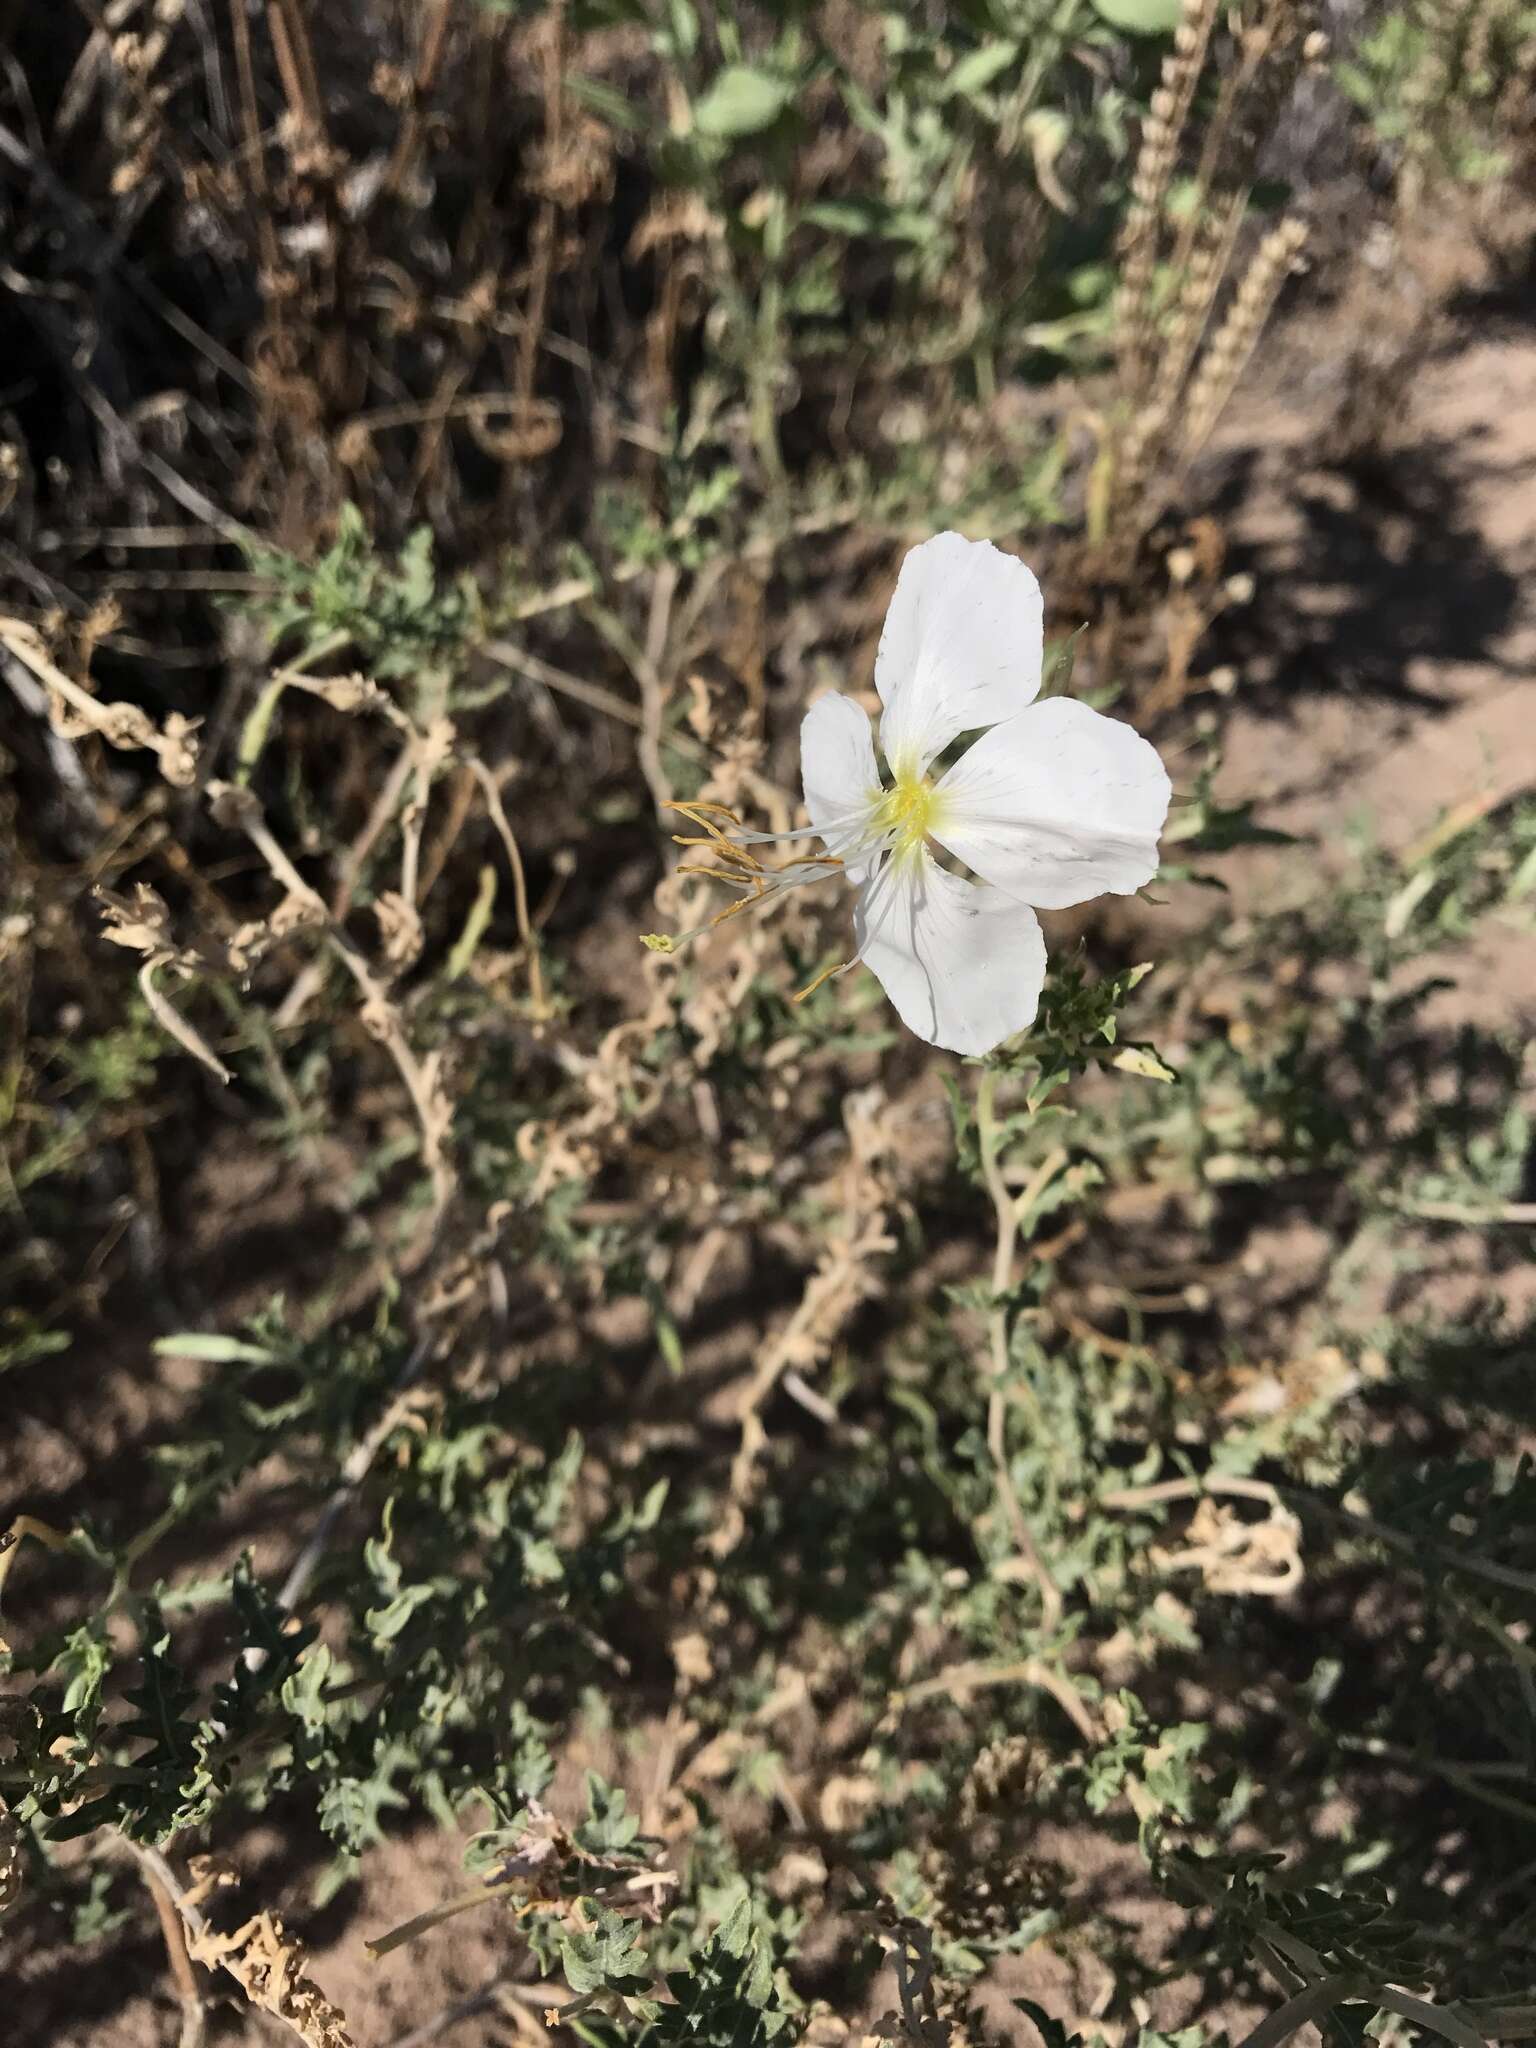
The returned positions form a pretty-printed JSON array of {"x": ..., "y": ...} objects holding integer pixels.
[
  {"x": 722, "y": 848},
  {"x": 732, "y": 910},
  {"x": 825, "y": 975},
  {"x": 739, "y": 867},
  {"x": 748, "y": 880}
]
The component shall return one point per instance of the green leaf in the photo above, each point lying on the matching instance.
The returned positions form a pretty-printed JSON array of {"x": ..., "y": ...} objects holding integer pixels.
[
  {"x": 757, "y": 1986},
  {"x": 30, "y": 1345},
  {"x": 605, "y": 100},
  {"x": 742, "y": 101},
  {"x": 350, "y": 1810},
  {"x": 683, "y": 27},
  {"x": 609, "y": 1828},
  {"x": 609, "y": 1958},
  {"x": 385, "y": 1623},
  {"x": 977, "y": 69},
  {"x": 542, "y": 1562},
  {"x": 84, "y": 1662},
  {"x": 162, "y": 1700},
  {"x": 303, "y": 1691},
  {"x": 668, "y": 1342},
  {"x": 736, "y": 1921},
  {"x": 1141, "y": 17},
  {"x": 1141, "y": 1059},
  {"x": 1061, "y": 661},
  {"x": 217, "y": 1350},
  {"x": 872, "y": 217},
  {"x": 1211, "y": 827}
]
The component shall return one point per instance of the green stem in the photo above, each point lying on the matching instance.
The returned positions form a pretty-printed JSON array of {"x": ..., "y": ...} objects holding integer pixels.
[
  {"x": 253, "y": 734},
  {"x": 1006, "y": 1209}
]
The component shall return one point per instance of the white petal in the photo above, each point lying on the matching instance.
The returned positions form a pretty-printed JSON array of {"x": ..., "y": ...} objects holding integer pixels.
[
  {"x": 1055, "y": 806},
  {"x": 962, "y": 963},
  {"x": 960, "y": 650},
  {"x": 837, "y": 766}
]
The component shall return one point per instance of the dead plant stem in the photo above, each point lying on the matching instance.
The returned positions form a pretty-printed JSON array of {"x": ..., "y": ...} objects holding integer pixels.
[
  {"x": 381, "y": 1015},
  {"x": 163, "y": 1890},
  {"x": 525, "y": 931}
]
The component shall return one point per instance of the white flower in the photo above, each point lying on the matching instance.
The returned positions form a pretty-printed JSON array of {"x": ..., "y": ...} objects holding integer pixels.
[{"x": 1052, "y": 804}]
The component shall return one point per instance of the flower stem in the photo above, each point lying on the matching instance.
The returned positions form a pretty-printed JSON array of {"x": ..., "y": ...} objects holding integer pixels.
[{"x": 1006, "y": 1208}]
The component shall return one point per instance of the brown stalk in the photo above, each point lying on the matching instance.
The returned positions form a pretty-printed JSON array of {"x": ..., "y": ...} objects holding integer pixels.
[
  {"x": 960, "y": 1682},
  {"x": 647, "y": 665},
  {"x": 268, "y": 1966},
  {"x": 1234, "y": 340},
  {"x": 173, "y": 1933},
  {"x": 250, "y": 117},
  {"x": 1202, "y": 275},
  {"x": 1156, "y": 161},
  {"x": 428, "y": 58},
  {"x": 541, "y": 265},
  {"x": 1247, "y": 100},
  {"x": 525, "y": 931},
  {"x": 296, "y": 63}
]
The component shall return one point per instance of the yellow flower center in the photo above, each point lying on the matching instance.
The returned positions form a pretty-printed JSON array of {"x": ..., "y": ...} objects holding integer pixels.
[{"x": 910, "y": 810}]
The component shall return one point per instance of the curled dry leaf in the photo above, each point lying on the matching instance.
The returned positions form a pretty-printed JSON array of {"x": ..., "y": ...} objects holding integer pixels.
[
  {"x": 178, "y": 751},
  {"x": 141, "y": 922},
  {"x": 234, "y": 806},
  {"x": 399, "y": 927},
  {"x": 576, "y": 168},
  {"x": 533, "y": 428},
  {"x": 74, "y": 712},
  {"x": 294, "y": 914},
  {"x": 691, "y": 1658},
  {"x": 679, "y": 217},
  {"x": 269, "y": 1966},
  {"x": 1237, "y": 1556},
  {"x": 348, "y": 693}
]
